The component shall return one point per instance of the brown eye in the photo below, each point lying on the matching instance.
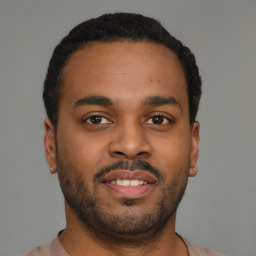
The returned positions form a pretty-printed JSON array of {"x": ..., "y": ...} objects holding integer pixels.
[
  {"x": 158, "y": 120},
  {"x": 97, "y": 120}
]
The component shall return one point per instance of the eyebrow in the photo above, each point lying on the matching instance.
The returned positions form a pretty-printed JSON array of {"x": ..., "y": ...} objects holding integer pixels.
[
  {"x": 94, "y": 100},
  {"x": 160, "y": 100},
  {"x": 105, "y": 101}
]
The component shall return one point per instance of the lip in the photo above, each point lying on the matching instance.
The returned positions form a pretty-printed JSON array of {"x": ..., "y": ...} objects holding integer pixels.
[
  {"x": 130, "y": 175},
  {"x": 130, "y": 192}
]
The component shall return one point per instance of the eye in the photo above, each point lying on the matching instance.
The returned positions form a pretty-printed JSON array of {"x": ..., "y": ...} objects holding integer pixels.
[
  {"x": 158, "y": 120},
  {"x": 97, "y": 120}
]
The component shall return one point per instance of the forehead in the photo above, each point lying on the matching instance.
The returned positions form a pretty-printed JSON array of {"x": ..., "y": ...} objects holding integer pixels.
[{"x": 123, "y": 71}]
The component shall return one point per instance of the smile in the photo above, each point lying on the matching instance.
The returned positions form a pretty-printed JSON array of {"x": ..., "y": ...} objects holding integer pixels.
[{"x": 129, "y": 184}]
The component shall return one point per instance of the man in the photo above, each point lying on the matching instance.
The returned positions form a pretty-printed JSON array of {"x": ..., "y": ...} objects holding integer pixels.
[{"x": 121, "y": 95}]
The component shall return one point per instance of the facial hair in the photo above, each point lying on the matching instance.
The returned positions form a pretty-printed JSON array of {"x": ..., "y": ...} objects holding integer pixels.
[{"x": 131, "y": 227}]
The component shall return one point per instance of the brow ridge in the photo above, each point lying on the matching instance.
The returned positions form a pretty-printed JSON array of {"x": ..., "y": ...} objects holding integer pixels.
[
  {"x": 105, "y": 101},
  {"x": 94, "y": 100},
  {"x": 160, "y": 100}
]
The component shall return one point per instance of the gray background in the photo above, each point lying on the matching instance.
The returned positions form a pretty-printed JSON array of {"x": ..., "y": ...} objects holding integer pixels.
[{"x": 219, "y": 208}]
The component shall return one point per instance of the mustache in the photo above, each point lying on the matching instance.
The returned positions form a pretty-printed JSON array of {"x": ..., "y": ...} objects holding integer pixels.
[{"x": 130, "y": 166}]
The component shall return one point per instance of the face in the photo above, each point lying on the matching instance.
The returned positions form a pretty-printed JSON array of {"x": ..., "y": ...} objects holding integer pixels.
[{"x": 124, "y": 142}]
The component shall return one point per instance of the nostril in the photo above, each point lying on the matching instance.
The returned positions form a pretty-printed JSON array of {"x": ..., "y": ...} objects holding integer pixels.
[
  {"x": 119, "y": 153},
  {"x": 141, "y": 153}
]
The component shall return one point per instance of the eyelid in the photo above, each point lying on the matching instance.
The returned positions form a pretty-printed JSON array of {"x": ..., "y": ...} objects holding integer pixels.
[
  {"x": 101, "y": 114},
  {"x": 166, "y": 116},
  {"x": 164, "y": 121},
  {"x": 87, "y": 120}
]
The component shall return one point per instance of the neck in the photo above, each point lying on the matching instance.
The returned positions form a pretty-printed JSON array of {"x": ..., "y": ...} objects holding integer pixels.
[{"x": 77, "y": 239}]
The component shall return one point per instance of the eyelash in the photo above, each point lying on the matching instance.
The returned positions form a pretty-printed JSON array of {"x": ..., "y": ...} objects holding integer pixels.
[
  {"x": 166, "y": 120},
  {"x": 163, "y": 118},
  {"x": 96, "y": 116}
]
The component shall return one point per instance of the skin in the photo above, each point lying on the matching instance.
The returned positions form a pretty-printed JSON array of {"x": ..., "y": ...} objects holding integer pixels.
[{"x": 128, "y": 74}]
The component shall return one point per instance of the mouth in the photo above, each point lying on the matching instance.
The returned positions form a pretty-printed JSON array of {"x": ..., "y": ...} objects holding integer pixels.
[{"x": 129, "y": 184}]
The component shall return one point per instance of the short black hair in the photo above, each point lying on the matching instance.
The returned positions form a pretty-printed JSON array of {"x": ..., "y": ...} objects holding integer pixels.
[{"x": 111, "y": 28}]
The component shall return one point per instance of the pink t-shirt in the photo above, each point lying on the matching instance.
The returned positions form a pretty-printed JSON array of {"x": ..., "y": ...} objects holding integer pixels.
[{"x": 56, "y": 249}]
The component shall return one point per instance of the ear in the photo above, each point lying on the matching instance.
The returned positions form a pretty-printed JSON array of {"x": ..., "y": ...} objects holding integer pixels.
[
  {"x": 194, "y": 149},
  {"x": 49, "y": 144}
]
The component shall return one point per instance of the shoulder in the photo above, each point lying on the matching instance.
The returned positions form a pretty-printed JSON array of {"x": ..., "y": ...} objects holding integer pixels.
[
  {"x": 196, "y": 250},
  {"x": 55, "y": 248},
  {"x": 43, "y": 250}
]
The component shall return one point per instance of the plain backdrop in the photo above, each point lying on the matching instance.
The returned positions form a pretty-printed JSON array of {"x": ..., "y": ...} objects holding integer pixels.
[{"x": 219, "y": 207}]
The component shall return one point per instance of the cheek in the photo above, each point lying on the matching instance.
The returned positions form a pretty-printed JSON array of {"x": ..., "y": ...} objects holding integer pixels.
[
  {"x": 173, "y": 153},
  {"x": 81, "y": 152}
]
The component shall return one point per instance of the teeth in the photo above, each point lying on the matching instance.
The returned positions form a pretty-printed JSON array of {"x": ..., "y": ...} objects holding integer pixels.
[
  {"x": 119, "y": 182},
  {"x": 130, "y": 183},
  {"x": 126, "y": 183},
  {"x": 135, "y": 183}
]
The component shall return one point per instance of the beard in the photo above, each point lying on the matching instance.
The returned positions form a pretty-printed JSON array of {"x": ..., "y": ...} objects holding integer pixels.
[{"x": 128, "y": 227}]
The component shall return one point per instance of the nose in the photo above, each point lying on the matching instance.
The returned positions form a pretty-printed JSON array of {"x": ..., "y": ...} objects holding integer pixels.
[{"x": 130, "y": 142}]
